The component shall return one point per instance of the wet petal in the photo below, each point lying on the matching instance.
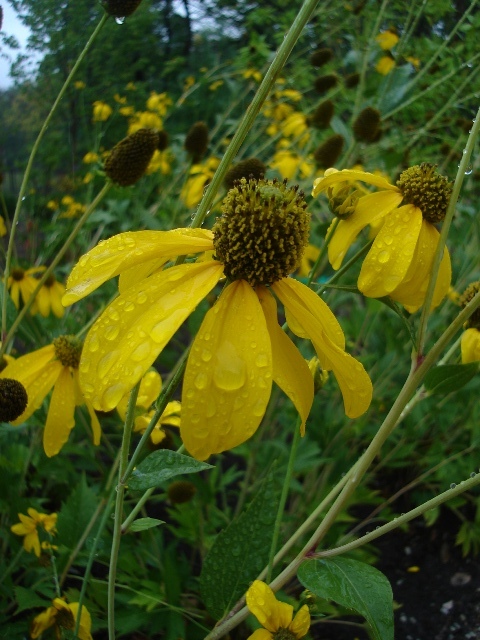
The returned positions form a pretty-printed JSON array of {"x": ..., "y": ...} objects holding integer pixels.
[
  {"x": 37, "y": 388},
  {"x": 60, "y": 418},
  {"x": 271, "y": 613},
  {"x": 301, "y": 622},
  {"x": 355, "y": 385},
  {"x": 369, "y": 209},
  {"x": 333, "y": 177},
  {"x": 127, "y": 250},
  {"x": 131, "y": 276},
  {"x": 29, "y": 365},
  {"x": 290, "y": 370},
  {"x": 228, "y": 377},
  {"x": 290, "y": 291},
  {"x": 136, "y": 326},
  {"x": 392, "y": 252},
  {"x": 470, "y": 345}
]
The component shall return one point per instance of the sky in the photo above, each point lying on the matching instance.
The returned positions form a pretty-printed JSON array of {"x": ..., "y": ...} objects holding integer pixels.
[{"x": 12, "y": 26}]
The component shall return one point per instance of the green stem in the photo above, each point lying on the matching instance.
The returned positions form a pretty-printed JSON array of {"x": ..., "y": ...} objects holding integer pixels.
[
  {"x": 462, "y": 168},
  {"x": 120, "y": 488},
  {"x": 283, "y": 499},
  {"x": 26, "y": 175},
  {"x": 253, "y": 110},
  {"x": 75, "y": 231},
  {"x": 401, "y": 520},
  {"x": 128, "y": 521}
]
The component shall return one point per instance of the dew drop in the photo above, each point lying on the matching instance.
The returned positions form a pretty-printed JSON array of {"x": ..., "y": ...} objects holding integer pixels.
[
  {"x": 383, "y": 257},
  {"x": 141, "y": 352},
  {"x": 473, "y": 474},
  {"x": 106, "y": 363},
  {"x": 113, "y": 395},
  {"x": 94, "y": 343},
  {"x": 453, "y": 485},
  {"x": 200, "y": 381},
  {"x": 129, "y": 307},
  {"x": 261, "y": 360},
  {"x": 120, "y": 19},
  {"x": 206, "y": 355},
  {"x": 113, "y": 315},
  {"x": 142, "y": 297},
  {"x": 468, "y": 170},
  {"x": 84, "y": 366},
  {"x": 112, "y": 331}
]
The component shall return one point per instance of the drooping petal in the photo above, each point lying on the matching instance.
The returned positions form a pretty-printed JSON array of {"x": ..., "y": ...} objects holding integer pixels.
[
  {"x": 228, "y": 378},
  {"x": 369, "y": 209},
  {"x": 31, "y": 542},
  {"x": 37, "y": 388},
  {"x": 127, "y": 250},
  {"x": 392, "y": 252},
  {"x": 333, "y": 177},
  {"x": 260, "y": 634},
  {"x": 301, "y": 622},
  {"x": 355, "y": 385},
  {"x": 290, "y": 370},
  {"x": 136, "y": 326},
  {"x": 43, "y": 301},
  {"x": 291, "y": 290},
  {"x": 412, "y": 290},
  {"x": 138, "y": 272},
  {"x": 60, "y": 418},
  {"x": 470, "y": 345},
  {"x": 29, "y": 365},
  {"x": 94, "y": 421},
  {"x": 270, "y": 612},
  {"x": 58, "y": 290},
  {"x": 85, "y": 621}
]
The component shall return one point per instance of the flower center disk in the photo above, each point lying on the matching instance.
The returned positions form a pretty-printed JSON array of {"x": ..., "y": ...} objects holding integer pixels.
[
  {"x": 68, "y": 350},
  {"x": 263, "y": 231},
  {"x": 425, "y": 188}
]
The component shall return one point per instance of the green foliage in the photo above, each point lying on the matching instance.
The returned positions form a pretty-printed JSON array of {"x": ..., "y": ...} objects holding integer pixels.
[
  {"x": 354, "y": 585},
  {"x": 448, "y": 378},
  {"x": 76, "y": 513},
  {"x": 142, "y": 524},
  {"x": 162, "y": 465}
]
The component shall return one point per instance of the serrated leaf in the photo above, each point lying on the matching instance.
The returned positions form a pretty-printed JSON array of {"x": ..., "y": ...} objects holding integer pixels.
[
  {"x": 162, "y": 465},
  {"x": 75, "y": 514},
  {"x": 354, "y": 585},
  {"x": 145, "y": 523},
  {"x": 240, "y": 552},
  {"x": 28, "y": 599},
  {"x": 450, "y": 377}
]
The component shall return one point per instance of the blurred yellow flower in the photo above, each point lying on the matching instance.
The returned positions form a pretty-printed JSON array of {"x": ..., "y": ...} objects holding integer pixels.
[
  {"x": 73, "y": 208},
  {"x": 52, "y": 205},
  {"x": 159, "y": 102},
  {"x": 55, "y": 365},
  {"x": 385, "y": 65},
  {"x": 78, "y": 84},
  {"x": 160, "y": 162},
  {"x": 276, "y": 617},
  {"x": 3, "y": 228},
  {"x": 295, "y": 125},
  {"x": 308, "y": 260},
  {"x": 150, "y": 388},
  {"x": 90, "y": 158},
  {"x": 29, "y": 525},
  {"x": 387, "y": 39},
  {"x": 188, "y": 82},
  {"x": 49, "y": 298},
  {"x": 62, "y": 616},
  {"x": 291, "y": 94},
  {"x": 88, "y": 177},
  {"x": 253, "y": 74},
  {"x": 413, "y": 61},
  {"x": 288, "y": 164},
  {"x": 101, "y": 111},
  {"x": 21, "y": 284},
  {"x": 131, "y": 87},
  {"x": 127, "y": 111},
  {"x": 470, "y": 345},
  {"x": 201, "y": 174},
  {"x": 145, "y": 120},
  {"x": 215, "y": 85},
  {"x": 120, "y": 99}
]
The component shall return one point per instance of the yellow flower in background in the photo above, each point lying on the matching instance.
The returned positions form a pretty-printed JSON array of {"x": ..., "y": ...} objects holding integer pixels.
[
  {"x": 385, "y": 65},
  {"x": 3, "y": 228},
  {"x": 276, "y": 617},
  {"x": 144, "y": 120},
  {"x": 21, "y": 284},
  {"x": 90, "y": 158},
  {"x": 52, "y": 205},
  {"x": 78, "y": 84},
  {"x": 160, "y": 162},
  {"x": 120, "y": 99},
  {"x": 252, "y": 74},
  {"x": 288, "y": 164},
  {"x": 73, "y": 208},
  {"x": 189, "y": 82},
  {"x": 201, "y": 174},
  {"x": 62, "y": 615},
  {"x": 101, "y": 111},
  {"x": 127, "y": 111},
  {"x": 415, "y": 62},
  {"x": 55, "y": 365},
  {"x": 29, "y": 525},
  {"x": 387, "y": 39},
  {"x": 49, "y": 298},
  {"x": 470, "y": 345},
  {"x": 240, "y": 346},
  {"x": 400, "y": 260},
  {"x": 159, "y": 102},
  {"x": 308, "y": 260},
  {"x": 131, "y": 86},
  {"x": 150, "y": 388},
  {"x": 215, "y": 85},
  {"x": 295, "y": 125}
]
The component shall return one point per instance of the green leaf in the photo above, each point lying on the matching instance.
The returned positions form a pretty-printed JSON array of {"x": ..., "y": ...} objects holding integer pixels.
[
  {"x": 28, "y": 599},
  {"x": 450, "y": 377},
  {"x": 162, "y": 465},
  {"x": 145, "y": 523},
  {"x": 75, "y": 514},
  {"x": 11, "y": 309},
  {"x": 240, "y": 552},
  {"x": 355, "y": 585}
]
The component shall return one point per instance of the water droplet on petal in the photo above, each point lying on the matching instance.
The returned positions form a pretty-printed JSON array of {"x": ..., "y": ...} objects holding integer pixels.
[
  {"x": 141, "y": 352},
  {"x": 111, "y": 332},
  {"x": 383, "y": 256},
  {"x": 94, "y": 343},
  {"x": 262, "y": 360},
  {"x": 113, "y": 395},
  {"x": 200, "y": 381}
]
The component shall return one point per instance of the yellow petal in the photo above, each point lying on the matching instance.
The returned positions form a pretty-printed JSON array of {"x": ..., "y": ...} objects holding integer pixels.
[
  {"x": 127, "y": 250},
  {"x": 96, "y": 428},
  {"x": 355, "y": 385},
  {"x": 29, "y": 365},
  {"x": 333, "y": 176},
  {"x": 301, "y": 622},
  {"x": 412, "y": 290},
  {"x": 290, "y": 290},
  {"x": 131, "y": 276},
  {"x": 369, "y": 209},
  {"x": 85, "y": 621},
  {"x": 392, "y": 252},
  {"x": 37, "y": 389},
  {"x": 60, "y": 418},
  {"x": 228, "y": 377},
  {"x": 136, "y": 326},
  {"x": 290, "y": 370},
  {"x": 260, "y": 634},
  {"x": 470, "y": 346},
  {"x": 43, "y": 301},
  {"x": 271, "y": 613},
  {"x": 58, "y": 290},
  {"x": 20, "y": 529},
  {"x": 31, "y": 542}
]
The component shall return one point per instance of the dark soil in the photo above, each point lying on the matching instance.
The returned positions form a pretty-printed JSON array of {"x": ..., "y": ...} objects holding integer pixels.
[{"x": 438, "y": 601}]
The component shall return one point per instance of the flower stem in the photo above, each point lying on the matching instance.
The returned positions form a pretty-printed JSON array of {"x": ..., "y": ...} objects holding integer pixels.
[
  {"x": 75, "y": 231},
  {"x": 26, "y": 175},
  {"x": 462, "y": 169},
  {"x": 283, "y": 499},
  {"x": 253, "y": 110},
  {"x": 120, "y": 488}
]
